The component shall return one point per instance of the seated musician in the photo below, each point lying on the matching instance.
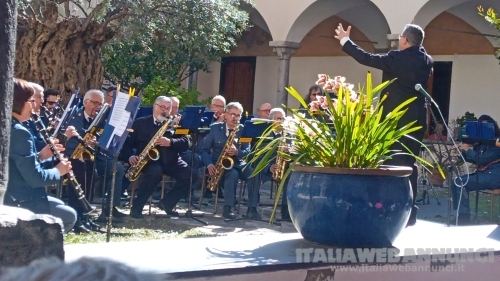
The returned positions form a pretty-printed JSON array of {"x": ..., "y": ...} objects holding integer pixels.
[
  {"x": 51, "y": 109},
  {"x": 29, "y": 124},
  {"x": 92, "y": 103},
  {"x": 216, "y": 141},
  {"x": 488, "y": 174},
  {"x": 277, "y": 114},
  {"x": 169, "y": 146},
  {"x": 27, "y": 178}
]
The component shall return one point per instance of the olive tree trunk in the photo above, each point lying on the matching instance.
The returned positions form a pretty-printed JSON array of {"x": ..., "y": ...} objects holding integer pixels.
[
  {"x": 8, "y": 15},
  {"x": 61, "y": 54}
]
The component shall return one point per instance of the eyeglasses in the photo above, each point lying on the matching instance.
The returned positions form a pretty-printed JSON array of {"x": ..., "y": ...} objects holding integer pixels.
[
  {"x": 219, "y": 106},
  {"x": 280, "y": 119},
  {"x": 162, "y": 107},
  {"x": 96, "y": 103},
  {"x": 238, "y": 116},
  {"x": 266, "y": 110},
  {"x": 31, "y": 101}
]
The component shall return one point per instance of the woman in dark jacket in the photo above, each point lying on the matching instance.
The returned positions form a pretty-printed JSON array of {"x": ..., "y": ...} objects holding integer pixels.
[
  {"x": 27, "y": 177},
  {"x": 488, "y": 173}
]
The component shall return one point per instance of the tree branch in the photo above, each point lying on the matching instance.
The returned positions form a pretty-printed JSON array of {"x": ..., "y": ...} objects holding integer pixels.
[
  {"x": 94, "y": 12},
  {"x": 81, "y": 8},
  {"x": 120, "y": 15}
]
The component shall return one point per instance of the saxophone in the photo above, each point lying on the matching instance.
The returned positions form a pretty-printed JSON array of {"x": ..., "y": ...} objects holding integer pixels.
[
  {"x": 149, "y": 153},
  {"x": 280, "y": 162},
  {"x": 224, "y": 162},
  {"x": 83, "y": 150}
]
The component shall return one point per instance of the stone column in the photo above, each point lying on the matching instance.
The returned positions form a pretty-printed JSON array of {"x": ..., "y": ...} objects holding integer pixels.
[{"x": 285, "y": 50}]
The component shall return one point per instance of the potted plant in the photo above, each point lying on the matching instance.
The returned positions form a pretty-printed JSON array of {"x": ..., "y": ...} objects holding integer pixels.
[{"x": 338, "y": 190}]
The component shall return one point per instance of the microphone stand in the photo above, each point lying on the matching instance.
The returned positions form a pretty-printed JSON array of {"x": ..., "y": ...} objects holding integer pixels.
[{"x": 451, "y": 165}]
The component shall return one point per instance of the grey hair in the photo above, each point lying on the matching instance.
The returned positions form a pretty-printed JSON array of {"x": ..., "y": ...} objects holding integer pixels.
[
  {"x": 91, "y": 92},
  {"x": 163, "y": 98},
  {"x": 219, "y": 97},
  {"x": 175, "y": 99},
  {"x": 414, "y": 34},
  {"x": 37, "y": 87},
  {"x": 83, "y": 269},
  {"x": 235, "y": 105},
  {"x": 274, "y": 111}
]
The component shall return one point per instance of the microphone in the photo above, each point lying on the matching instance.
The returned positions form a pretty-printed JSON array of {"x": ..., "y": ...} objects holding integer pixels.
[{"x": 419, "y": 88}]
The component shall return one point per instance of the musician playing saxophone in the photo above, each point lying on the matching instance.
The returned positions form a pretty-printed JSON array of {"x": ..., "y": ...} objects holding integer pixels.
[
  {"x": 216, "y": 141},
  {"x": 27, "y": 177},
  {"x": 278, "y": 114},
  {"x": 92, "y": 102},
  {"x": 169, "y": 146}
]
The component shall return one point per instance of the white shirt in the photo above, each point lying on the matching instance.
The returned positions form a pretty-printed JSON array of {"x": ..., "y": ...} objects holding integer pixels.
[{"x": 343, "y": 40}]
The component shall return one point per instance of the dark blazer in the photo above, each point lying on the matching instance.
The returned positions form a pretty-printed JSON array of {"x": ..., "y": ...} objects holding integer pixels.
[
  {"x": 410, "y": 66},
  {"x": 216, "y": 141},
  {"x": 143, "y": 131},
  {"x": 27, "y": 178}
]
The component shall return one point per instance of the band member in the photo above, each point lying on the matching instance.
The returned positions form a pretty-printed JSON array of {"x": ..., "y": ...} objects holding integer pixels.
[
  {"x": 216, "y": 141},
  {"x": 51, "y": 99},
  {"x": 169, "y": 146},
  {"x": 488, "y": 173},
  {"x": 218, "y": 105},
  {"x": 110, "y": 95},
  {"x": 92, "y": 103},
  {"x": 278, "y": 114},
  {"x": 264, "y": 110},
  {"x": 411, "y": 65},
  {"x": 27, "y": 178}
]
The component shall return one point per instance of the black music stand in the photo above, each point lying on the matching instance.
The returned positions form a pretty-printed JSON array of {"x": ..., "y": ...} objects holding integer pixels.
[
  {"x": 191, "y": 120},
  {"x": 251, "y": 132}
]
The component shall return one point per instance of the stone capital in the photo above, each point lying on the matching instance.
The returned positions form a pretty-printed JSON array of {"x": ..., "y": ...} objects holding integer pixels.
[
  {"x": 393, "y": 40},
  {"x": 284, "y": 49}
]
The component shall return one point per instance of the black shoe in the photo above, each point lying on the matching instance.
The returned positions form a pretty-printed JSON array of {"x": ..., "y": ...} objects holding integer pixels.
[
  {"x": 253, "y": 214},
  {"x": 80, "y": 228},
  {"x": 118, "y": 214},
  {"x": 228, "y": 213},
  {"x": 136, "y": 214},
  {"x": 172, "y": 214},
  {"x": 92, "y": 224},
  {"x": 285, "y": 214}
]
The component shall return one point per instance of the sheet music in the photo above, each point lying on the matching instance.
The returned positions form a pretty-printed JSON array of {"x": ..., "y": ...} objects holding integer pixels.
[{"x": 119, "y": 116}]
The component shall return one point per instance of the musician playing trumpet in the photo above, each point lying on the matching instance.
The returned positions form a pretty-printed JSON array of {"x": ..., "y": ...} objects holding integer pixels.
[
  {"x": 27, "y": 177},
  {"x": 168, "y": 147},
  {"x": 216, "y": 141},
  {"x": 92, "y": 103}
]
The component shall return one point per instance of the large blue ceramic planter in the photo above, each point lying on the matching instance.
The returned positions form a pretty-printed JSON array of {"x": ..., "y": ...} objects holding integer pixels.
[{"x": 350, "y": 207}]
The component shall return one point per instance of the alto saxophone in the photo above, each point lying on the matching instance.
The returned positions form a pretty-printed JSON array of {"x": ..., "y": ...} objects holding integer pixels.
[
  {"x": 149, "y": 153},
  {"x": 280, "y": 162},
  {"x": 225, "y": 162},
  {"x": 83, "y": 150}
]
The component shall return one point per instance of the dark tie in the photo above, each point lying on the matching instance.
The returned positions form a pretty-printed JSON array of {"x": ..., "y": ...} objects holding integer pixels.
[
  {"x": 158, "y": 123},
  {"x": 90, "y": 120}
]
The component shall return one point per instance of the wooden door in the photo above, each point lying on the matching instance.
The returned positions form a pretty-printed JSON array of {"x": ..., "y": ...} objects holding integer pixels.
[{"x": 237, "y": 81}]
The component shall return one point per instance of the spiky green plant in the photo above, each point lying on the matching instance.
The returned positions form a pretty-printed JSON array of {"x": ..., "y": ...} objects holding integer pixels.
[{"x": 347, "y": 132}]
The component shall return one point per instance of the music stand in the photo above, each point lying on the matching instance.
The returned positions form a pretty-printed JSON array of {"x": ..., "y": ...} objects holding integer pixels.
[
  {"x": 191, "y": 119},
  {"x": 251, "y": 132}
]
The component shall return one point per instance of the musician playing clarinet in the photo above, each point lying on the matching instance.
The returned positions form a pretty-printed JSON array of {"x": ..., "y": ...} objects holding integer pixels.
[{"x": 27, "y": 178}]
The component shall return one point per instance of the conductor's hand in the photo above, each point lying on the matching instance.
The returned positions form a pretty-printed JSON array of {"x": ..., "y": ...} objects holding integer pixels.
[
  {"x": 232, "y": 151},
  {"x": 70, "y": 132},
  {"x": 163, "y": 141},
  {"x": 341, "y": 33},
  {"x": 211, "y": 169},
  {"x": 46, "y": 152},
  {"x": 273, "y": 168},
  {"x": 133, "y": 160},
  {"x": 64, "y": 167}
]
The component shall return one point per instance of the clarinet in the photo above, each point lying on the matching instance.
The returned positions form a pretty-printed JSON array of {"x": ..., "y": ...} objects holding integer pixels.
[{"x": 70, "y": 177}]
